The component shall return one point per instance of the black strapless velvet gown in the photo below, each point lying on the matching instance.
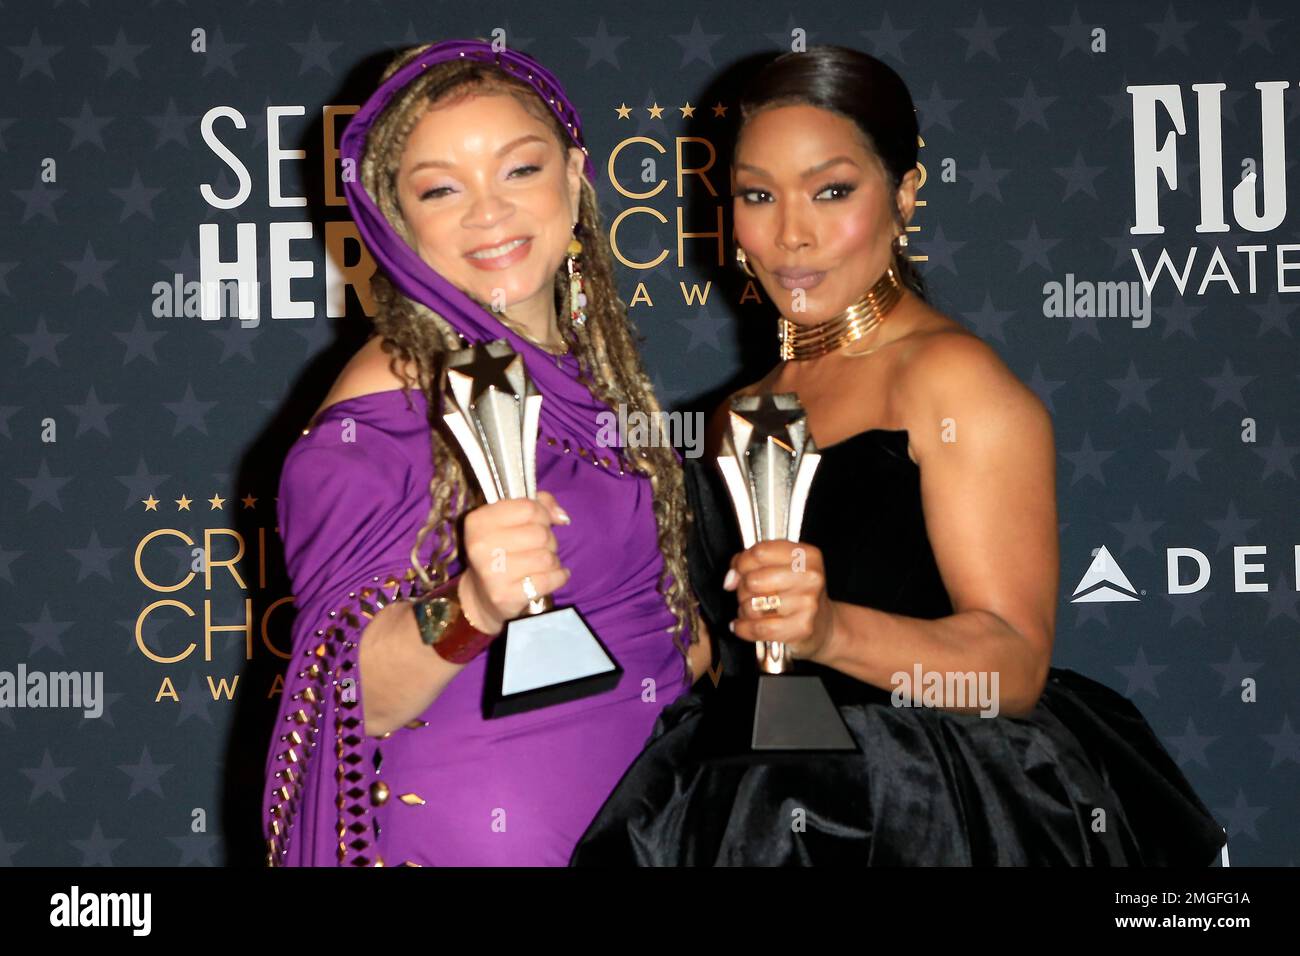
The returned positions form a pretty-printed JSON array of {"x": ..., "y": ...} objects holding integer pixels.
[{"x": 1082, "y": 780}]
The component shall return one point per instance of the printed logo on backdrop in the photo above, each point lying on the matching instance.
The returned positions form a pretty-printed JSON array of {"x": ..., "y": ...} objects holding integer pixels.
[
  {"x": 1187, "y": 571},
  {"x": 211, "y": 602},
  {"x": 235, "y": 268},
  {"x": 656, "y": 173},
  {"x": 1167, "y": 148},
  {"x": 212, "y": 599},
  {"x": 1258, "y": 197},
  {"x": 1104, "y": 581}
]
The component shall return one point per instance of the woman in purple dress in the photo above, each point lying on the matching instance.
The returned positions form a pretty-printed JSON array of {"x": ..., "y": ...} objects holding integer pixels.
[{"x": 471, "y": 187}]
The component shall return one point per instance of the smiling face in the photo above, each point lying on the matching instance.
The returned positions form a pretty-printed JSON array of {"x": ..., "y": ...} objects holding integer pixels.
[
  {"x": 490, "y": 198},
  {"x": 813, "y": 209}
]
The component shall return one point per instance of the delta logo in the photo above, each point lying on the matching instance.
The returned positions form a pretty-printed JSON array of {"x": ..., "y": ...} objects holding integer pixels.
[
  {"x": 1187, "y": 570},
  {"x": 1104, "y": 582}
]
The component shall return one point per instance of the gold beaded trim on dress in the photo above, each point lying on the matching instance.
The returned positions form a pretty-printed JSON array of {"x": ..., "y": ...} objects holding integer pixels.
[
  {"x": 624, "y": 466},
  {"x": 606, "y": 462},
  {"x": 329, "y": 662}
]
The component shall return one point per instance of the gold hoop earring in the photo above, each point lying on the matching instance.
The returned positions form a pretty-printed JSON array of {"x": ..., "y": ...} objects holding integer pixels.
[{"x": 742, "y": 260}]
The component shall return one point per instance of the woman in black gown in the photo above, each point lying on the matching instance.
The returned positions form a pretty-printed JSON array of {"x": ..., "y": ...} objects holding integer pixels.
[{"x": 929, "y": 545}]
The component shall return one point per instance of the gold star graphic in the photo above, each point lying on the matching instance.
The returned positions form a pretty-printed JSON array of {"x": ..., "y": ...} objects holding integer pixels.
[
  {"x": 249, "y": 501},
  {"x": 655, "y": 110},
  {"x": 182, "y": 503},
  {"x": 687, "y": 110},
  {"x": 623, "y": 110},
  {"x": 150, "y": 503},
  {"x": 719, "y": 110},
  {"x": 216, "y": 501}
]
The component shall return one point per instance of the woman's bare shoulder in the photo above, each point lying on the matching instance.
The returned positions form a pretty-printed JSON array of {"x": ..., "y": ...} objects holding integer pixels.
[
  {"x": 369, "y": 370},
  {"x": 950, "y": 354},
  {"x": 952, "y": 373}
]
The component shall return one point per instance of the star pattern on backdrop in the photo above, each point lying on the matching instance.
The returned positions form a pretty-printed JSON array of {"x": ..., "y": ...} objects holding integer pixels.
[{"x": 124, "y": 422}]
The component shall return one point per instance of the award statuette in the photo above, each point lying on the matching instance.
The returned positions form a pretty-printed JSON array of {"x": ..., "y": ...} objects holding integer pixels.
[
  {"x": 549, "y": 655},
  {"x": 767, "y": 461}
]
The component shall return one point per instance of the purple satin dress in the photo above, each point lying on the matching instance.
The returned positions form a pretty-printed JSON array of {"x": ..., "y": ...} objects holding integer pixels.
[{"x": 451, "y": 788}]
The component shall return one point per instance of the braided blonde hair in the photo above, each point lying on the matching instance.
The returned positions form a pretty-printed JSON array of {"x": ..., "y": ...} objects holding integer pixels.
[{"x": 414, "y": 335}]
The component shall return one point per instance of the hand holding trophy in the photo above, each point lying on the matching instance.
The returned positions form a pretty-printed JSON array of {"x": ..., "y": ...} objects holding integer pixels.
[
  {"x": 767, "y": 461},
  {"x": 550, "y": 655}
]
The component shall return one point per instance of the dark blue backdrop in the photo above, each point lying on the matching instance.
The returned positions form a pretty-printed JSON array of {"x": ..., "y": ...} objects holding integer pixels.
[{"x": 133, "y": 433}]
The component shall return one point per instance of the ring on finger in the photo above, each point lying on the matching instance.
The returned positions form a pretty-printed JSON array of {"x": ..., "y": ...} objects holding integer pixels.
[{"x": 765, "y": 603}]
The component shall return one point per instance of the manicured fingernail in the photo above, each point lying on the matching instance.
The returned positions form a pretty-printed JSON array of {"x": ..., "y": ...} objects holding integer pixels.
[
  {"x": 730, "y": 580},
  {"x": 564, "y": 515}
]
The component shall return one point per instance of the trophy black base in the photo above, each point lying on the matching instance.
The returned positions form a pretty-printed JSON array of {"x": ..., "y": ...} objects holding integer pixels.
[
  {"x": 546, "y": 659},
  {"x": 741, "y": 723},
  {"x": 795, "y": 712}
]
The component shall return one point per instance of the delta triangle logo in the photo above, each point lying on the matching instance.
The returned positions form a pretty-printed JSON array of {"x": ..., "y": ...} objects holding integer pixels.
[{"x": 1104, "y": 581}]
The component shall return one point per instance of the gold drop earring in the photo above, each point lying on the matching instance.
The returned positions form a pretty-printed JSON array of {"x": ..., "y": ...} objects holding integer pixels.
[{"x": 577, "y": 292}]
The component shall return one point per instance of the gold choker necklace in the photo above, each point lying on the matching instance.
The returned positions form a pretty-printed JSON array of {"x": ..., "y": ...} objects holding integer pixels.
[{"x": 799, "y": 343}]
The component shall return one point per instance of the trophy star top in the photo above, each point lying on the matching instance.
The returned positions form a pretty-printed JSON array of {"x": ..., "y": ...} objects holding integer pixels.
[
  {"x": 486, "y": 371},
  {"x": 773, "y": 418}
]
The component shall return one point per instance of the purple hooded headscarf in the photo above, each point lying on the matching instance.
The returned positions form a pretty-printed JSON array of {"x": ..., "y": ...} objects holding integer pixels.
[{"x": 569, "y": 409}]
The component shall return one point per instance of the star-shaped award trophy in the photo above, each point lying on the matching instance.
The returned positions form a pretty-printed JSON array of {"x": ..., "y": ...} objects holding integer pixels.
[
  {"x": 550, "y": 655},
  {"x": 767, "y": 461}
]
